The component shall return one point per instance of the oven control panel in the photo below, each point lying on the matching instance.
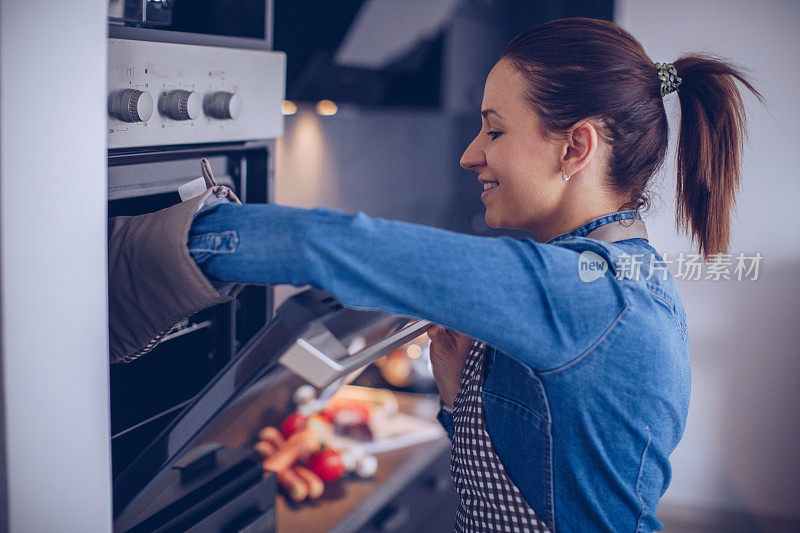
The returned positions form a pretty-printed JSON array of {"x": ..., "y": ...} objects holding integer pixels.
[{"x": 166, "y": 94}]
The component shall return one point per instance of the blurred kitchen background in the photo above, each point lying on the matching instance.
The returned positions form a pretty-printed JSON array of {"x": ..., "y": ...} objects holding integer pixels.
[
  {"x": 408, "y": 84},
  {"x": 382, "y": 97}
]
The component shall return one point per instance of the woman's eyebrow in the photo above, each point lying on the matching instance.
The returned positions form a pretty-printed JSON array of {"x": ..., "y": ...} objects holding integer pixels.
[{"x": 486, "y": 112}]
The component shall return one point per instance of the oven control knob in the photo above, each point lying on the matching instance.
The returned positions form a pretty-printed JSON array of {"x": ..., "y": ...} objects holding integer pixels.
[
  {"x": 222, "y": 105},
  {"x": 182, "y": 105},
  {"x": 132, "y": 105}
]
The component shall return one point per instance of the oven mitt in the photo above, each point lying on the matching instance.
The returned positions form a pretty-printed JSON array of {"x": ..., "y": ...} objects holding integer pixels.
[{"x": 154, "y": 283}]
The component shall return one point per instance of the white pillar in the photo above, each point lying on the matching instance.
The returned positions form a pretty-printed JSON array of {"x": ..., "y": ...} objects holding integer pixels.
[{"x": 53, "y": 306}]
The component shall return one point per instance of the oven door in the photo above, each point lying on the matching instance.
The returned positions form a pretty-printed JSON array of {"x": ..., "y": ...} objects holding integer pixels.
[
  {"x": 153, "y": 491},
  {"x": 147, "y": 393}
]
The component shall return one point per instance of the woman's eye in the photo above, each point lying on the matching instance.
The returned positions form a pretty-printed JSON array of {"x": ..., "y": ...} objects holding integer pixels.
[{"x": 494, "y": 134}]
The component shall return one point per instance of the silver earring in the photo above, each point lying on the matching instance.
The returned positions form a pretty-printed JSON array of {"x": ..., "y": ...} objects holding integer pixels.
[{"x": 564, "y": 175}]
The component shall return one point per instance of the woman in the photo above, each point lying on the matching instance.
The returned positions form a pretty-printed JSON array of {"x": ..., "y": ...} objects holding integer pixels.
[{"x": 565, "y": 407}]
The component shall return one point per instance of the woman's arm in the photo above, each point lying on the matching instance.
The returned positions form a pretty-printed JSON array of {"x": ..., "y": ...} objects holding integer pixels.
[{"x": 520, "y": 296}]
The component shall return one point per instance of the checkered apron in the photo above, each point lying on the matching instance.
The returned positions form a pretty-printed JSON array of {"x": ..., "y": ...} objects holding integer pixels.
[{"x": 489, "y": 499}]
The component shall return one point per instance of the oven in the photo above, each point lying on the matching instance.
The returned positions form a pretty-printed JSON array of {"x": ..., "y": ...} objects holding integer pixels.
[
  {"x": 184, "y": 415},
  {"x": 173, "y": 100},
  {"x": 171, "y": 105}
]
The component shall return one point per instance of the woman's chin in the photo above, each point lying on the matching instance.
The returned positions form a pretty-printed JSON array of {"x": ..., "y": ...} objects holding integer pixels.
[
  {"x": 498, "y": 223},
  {"x": 489, "y": 221},
  {"x": 492, "y": 221}
]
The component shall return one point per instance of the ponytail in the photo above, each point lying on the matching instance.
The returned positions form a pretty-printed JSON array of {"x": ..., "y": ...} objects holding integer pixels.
[{"x": 710, "y": 142}]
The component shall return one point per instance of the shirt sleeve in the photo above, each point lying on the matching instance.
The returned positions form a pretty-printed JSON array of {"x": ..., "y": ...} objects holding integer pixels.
[{"x": 523, "y": 297}]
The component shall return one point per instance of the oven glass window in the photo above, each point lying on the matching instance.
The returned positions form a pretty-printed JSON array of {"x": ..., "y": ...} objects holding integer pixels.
[
  {"x": 230, "y": 18},
  {"x": 235, "y": 18}
]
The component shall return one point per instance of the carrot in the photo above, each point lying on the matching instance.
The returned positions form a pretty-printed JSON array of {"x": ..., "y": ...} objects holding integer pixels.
[
  {"x": 301, "y": 443},
  {"x": 271, "y": 435},
  {"x": 315, "y": 485},
  {"x": 264, "y": 448},
  {"x": 294, "y": 485}
]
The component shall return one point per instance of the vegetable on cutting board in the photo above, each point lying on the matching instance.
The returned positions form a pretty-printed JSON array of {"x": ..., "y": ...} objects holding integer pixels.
[
  {"x": 310, "y": 437},
  {"x": 293, "y": 423},
  {"x": 315, "y": 485},
  {"x": 272, "y": 436},
  {"x": 298, "y": 445},
  {"x": 361, "y": 464},
  {"x": 366, "y": 466},
  {"x": 327, "y": 464},
  {"x": 294, "y": 485},
  {"x": 264, "y": 448}
]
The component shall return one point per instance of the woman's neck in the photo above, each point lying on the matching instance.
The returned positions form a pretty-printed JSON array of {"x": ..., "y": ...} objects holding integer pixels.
[{"x": 571, "y": 217}]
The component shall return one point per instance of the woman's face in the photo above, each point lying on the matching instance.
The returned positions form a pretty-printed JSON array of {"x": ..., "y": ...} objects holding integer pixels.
[{"x": 510, "y": 154}]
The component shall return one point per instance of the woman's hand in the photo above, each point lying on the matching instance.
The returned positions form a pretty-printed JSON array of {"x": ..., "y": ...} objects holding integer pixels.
[{"x": 449, "y": 351}]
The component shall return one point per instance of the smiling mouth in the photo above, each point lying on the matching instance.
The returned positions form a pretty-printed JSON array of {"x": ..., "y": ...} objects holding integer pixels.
[{"x": 490, "y": 185}]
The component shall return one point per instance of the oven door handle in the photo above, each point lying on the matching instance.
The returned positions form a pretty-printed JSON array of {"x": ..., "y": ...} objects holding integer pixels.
[{"x": 309, "y": 360}]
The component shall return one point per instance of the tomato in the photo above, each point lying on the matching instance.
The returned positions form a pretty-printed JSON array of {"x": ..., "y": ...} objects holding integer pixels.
[
  {"x": 327, "y": 464},
  {"x": 293, "y": 423}
]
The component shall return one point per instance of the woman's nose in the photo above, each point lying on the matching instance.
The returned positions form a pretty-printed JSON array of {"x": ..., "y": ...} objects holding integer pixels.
[{"x": 473, "y": 157}]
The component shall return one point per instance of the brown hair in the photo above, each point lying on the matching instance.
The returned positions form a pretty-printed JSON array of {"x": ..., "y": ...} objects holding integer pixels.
[{"x": 579, "y": 68}]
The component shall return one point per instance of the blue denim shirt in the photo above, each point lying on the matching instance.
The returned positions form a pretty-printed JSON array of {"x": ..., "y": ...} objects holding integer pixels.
[{"x": 587, "y": 384}]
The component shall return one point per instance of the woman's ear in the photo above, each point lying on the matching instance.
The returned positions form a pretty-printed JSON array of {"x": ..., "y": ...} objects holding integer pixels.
[{"x": 580, "y": 146}]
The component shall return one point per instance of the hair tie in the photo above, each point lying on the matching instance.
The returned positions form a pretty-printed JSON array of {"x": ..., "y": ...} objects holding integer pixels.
[{"x": 669, "y": 78}]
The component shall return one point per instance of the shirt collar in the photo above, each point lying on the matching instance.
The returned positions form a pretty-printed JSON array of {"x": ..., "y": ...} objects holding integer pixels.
[{"x": 582, "y": 231}]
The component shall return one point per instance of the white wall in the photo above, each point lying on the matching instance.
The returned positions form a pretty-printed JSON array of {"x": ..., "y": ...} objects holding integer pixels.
[
  {"x": 53, "y": 266},
  {"x": 740, "y": 449}
]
